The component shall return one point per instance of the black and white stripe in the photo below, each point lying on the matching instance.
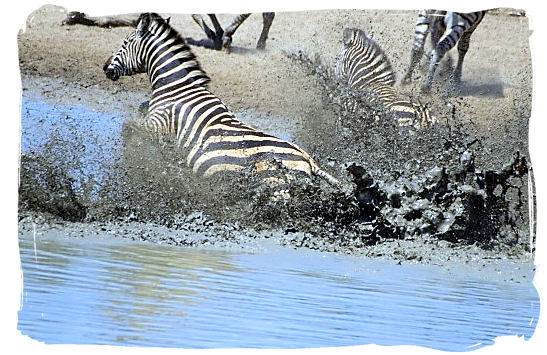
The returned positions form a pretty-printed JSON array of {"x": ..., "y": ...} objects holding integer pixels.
[
  {"x": 212, "y": 139},
  {"x": 447, "y": 29},
  {"x": 364, "y": 66}
]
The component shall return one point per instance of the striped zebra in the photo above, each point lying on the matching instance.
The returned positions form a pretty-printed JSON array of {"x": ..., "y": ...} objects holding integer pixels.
[
  {"x": 447, "y": 28},
  {"x": 364, "y": 66},
  {"x": 212, "y": 139}
]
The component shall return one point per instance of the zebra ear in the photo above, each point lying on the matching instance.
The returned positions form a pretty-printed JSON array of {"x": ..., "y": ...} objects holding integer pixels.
[
  {"x": 167, "y": 20},
  {"x": 347, "y": 36},
  {"x": 142, "y": 26}
]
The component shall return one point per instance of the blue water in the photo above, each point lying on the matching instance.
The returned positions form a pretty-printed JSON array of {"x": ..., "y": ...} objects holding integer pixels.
[
  {"x": 84, "y": 142},
  {"x": 119, "y": 292}
]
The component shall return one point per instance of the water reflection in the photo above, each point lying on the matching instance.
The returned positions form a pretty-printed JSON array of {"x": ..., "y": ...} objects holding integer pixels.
[
  {"x": 161, "y": 282},
  {"x": 52, "y": 253},
  {"x": 108, "y": 291},
  {"x": 128, "y": 286}
]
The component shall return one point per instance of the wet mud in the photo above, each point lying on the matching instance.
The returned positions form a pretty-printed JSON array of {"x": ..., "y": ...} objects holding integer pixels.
[
  {"x": 428, "y": 181},
  {"x": 451, "y": 191}
]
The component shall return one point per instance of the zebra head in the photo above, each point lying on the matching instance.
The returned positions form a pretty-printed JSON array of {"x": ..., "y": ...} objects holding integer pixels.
[
  {"x": 353, "y": 36},
  {"x": 362, "y": 61},
  {"x": 350, "y": 38},
  {"x": 129, "y": 59}
]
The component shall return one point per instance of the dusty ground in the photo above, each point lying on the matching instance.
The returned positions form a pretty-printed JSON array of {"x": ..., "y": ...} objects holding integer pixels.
[{"x": 63, "y": 65}]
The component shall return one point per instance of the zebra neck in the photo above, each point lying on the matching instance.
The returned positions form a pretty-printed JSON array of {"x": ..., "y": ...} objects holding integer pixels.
[
  {"x": 172, "y": 65},
  {"x": 167, "y": 96}
]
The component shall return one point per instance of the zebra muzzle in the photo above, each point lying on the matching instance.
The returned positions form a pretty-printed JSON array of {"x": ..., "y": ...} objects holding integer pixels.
[
  {"x": 110, "y": 70},
  {"x": 112, "y": 73}
]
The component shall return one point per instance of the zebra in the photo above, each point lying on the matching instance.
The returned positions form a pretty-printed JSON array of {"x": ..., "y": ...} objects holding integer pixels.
[
  {"x": 219, "y": 39},
  {"x": 447, "y": 28},
  {"x": 222, "y": 38},
  {"x": 364, "y": 66},
  {"x": 211, "y": 138}
]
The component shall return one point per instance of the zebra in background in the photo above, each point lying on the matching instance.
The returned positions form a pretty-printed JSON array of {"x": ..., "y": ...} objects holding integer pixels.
[
  {"x": 364, "y": 66},
  {"x": 218, "y": 39},
  {"x": 212, "y": 139},
  {"x": 222, "y": 38},
  {"x": 447, "y": 29}
]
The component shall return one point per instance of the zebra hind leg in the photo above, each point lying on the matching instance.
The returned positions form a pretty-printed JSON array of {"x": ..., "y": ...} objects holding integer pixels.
[
  {"x": 420, "y": 34},
  {"x": 214, "y": 38},
  {"x": 414, "y": 60},
  {"x": 268, "y": 18},
  {"x": 434, "y": 62},
  {"x": 463, "y": 46},
  {"x": 437, "y": 54},
  {"x": 231, "y": 29}
]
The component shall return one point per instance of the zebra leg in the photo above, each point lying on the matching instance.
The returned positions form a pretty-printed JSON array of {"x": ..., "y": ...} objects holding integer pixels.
[
  {"x": 218, "y": 29},
  {"x": 214, "y": 37},
  {"x": 201, "y": 23},
  {"x": 267, "y": 18},
  {"x": 448, "y": 41},
  {"x": 463, "y": 46},
  {"x": 438, "y": 27},
  {"x": 436, "y": 56},
  {"x": 219, "y": 32},
  {"x": 231, "y": 29},
  {"x": 420, "y": 34}
]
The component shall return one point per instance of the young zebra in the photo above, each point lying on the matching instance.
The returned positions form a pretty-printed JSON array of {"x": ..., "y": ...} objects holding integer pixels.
[
  {"x": 447, "y": 29},
  {"x": 363, "y": 65},
  {"x": 212, "y": 139}
]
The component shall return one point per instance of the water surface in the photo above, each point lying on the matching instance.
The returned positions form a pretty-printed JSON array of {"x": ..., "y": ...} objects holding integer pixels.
[{"x": 108, "y": 291}]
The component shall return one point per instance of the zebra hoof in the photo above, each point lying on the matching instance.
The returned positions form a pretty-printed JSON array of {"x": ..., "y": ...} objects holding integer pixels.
[{"x": 226, "y": 43}]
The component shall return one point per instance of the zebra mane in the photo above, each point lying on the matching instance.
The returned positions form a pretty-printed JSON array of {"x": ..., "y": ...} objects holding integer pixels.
[
  {"x": 357, "y": 37},
  {"x": 149, "y": 21}
]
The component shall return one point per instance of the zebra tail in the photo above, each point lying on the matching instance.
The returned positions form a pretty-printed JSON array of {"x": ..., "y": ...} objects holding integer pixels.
[
  {"x": 346, "y": 189},
  {"x": 328, "y": 177}
]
